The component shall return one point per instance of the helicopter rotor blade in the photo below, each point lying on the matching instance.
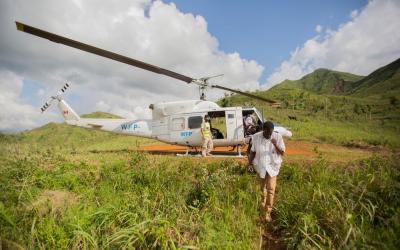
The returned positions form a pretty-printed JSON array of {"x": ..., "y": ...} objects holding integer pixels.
[
  {"x": 100, "y": 52},
  {"x": 127, "y": 60},
  {"x": 244, "y": 93}
]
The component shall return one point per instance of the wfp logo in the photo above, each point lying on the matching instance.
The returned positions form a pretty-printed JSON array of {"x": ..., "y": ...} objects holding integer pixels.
[
  {"x": 129, "y": 126},
  {"x": 186, "y": 133}
]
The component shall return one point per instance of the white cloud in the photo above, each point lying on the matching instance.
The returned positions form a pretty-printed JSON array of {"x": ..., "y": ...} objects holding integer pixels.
[
  {"x": 369, "y": 40},
  {"x": 14, "y": 112},
  {"x": 154, "y": 32},
  {"x": 354, "y": 14},
  {"x": 318, "y": 28}
]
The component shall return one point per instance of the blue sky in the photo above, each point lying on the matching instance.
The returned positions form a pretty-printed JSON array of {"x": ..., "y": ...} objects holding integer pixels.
[{"x": 267, "y": 31}]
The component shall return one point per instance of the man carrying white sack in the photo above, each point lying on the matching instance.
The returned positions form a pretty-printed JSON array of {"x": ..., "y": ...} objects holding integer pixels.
[{"x": 266, "y": 156}]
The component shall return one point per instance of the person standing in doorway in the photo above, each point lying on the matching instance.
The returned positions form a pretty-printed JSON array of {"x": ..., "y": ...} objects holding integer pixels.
[
  {"x": 207, "y": 143},
  {"x": 266, "y": 158}
]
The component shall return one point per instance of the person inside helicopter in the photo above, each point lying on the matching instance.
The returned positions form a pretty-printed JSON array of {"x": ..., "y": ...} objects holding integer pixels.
[
  {"x": 250, "y": 125},
  {"x": 215, "y": 119},
  {"x": 216, "y": 134}
]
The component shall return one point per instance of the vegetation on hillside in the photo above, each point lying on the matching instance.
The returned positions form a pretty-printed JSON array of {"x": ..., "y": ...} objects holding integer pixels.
[
  {"x": 360, "y": 113},
  {"x": 99, "y": 114},
  {"x": 322, "y": 81},
  {"x": 380, "y": 84},
  {"x": 383, "y": 83}
]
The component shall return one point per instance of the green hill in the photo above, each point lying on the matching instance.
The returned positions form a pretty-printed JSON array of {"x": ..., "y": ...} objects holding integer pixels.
[
  {"x": 99, "y": 114},
  {"x": 338, "y": 94},
  {"x": 71, "y": 138},
  {"x": 383, "y": 83},
  {"x": 322, "y": 81},
  {"x": 335, "y": 106}
]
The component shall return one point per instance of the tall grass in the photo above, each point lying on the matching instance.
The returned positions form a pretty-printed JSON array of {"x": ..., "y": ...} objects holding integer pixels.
[
  {"x": 135, "y": 200},
  {"x": 139, "y": 203},
  {"x": 353, "y": 207}
]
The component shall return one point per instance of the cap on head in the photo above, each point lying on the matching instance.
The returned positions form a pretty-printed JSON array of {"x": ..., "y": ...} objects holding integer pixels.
[{"x": 268, "y": 125}]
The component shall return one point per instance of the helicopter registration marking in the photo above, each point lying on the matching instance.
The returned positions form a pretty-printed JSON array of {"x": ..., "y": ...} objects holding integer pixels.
[
  {"x": 130, "y": 126},
  {"x": 186, "y": 133}
]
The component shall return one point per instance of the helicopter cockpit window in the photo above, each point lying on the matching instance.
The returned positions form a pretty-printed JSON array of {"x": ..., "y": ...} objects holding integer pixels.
[
  {"x": 178, "y": 123},
  {"x": 195, "y": 122}
]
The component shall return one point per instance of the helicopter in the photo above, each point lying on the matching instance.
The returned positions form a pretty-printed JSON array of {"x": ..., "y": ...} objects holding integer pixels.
[{"x": 177, "y": 122}]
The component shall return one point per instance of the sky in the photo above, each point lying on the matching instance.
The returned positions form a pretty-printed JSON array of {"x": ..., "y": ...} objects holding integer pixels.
[
  {"x": 255, "y": 44},
  {"x": 267, "y": 30}
]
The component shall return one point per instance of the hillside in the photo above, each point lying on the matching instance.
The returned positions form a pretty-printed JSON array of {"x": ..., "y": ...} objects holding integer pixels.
[
  {"x": 74, "y": 138},
  {"x": 322, "y": 81},
  {"x": 335, "y": 107},
  {"x": 338, "y": 94},
  {"x": 99, "y": 114},
  {"x": 382, "y": 83}
]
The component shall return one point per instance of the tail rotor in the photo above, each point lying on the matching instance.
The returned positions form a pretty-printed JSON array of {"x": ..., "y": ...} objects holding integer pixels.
[
  {"x": 64, "y": 88},
  {"x": 56, "y": 97}
]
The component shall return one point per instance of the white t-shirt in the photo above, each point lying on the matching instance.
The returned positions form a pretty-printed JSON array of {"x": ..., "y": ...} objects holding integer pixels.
[{"x": 267, "y": 158}]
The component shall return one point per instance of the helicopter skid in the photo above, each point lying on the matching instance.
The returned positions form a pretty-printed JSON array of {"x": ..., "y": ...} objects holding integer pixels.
[{"x": 212, "y": 156}]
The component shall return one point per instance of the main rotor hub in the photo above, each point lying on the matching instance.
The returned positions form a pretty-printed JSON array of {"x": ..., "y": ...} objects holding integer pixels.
[{"x": 203, "y": 85}]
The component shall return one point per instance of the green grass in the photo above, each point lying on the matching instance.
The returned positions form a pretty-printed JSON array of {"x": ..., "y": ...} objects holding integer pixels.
[
  {"x": 322, "y": 81},
  {"x": 99, "y": 114},
  {"x": 127, "y": 200},
  {"x": 356, "y": 207},
  {"x": 65, "y": 187},
  {"x": 337, "y": 124},
  {"x": 117, "y": 198}
]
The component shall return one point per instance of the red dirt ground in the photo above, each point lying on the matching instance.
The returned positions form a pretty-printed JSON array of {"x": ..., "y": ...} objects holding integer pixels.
[
  {"x": 295, "y": 151},
  {"x": 166, "y": 148}
]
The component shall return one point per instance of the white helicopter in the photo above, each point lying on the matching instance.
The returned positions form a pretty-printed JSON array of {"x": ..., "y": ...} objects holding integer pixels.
[{"x": 172, "y": 122}]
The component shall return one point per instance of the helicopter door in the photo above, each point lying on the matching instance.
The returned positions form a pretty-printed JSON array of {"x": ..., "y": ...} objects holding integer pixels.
[
  {"x": 160, "y": 129},
  {"x": 177, "y": 125},
  {"x": 230, "y": 116}
]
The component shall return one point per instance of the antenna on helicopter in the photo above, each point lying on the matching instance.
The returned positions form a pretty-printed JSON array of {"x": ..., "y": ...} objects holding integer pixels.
[
  {"x": 55, "y": 97},
  {"x": 201, "y": 82}
]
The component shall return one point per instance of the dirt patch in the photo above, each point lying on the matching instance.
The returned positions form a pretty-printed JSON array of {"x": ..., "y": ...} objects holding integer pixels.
[
  {"x": 53, "y": 202},
  {"x": 330, "y": 152},
  {"x": 296, "y": 151},
  {"x": 220, "y": 150},
  {"x": 269, "y": 241},
  {"x": 8, "y": 244}
]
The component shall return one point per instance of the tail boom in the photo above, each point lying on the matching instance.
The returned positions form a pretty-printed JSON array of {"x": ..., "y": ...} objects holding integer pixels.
[{"x": 68, "y": 113}]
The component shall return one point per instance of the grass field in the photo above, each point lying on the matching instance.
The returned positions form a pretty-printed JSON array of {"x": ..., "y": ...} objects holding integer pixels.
[{"x": 64, "y": 187}]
